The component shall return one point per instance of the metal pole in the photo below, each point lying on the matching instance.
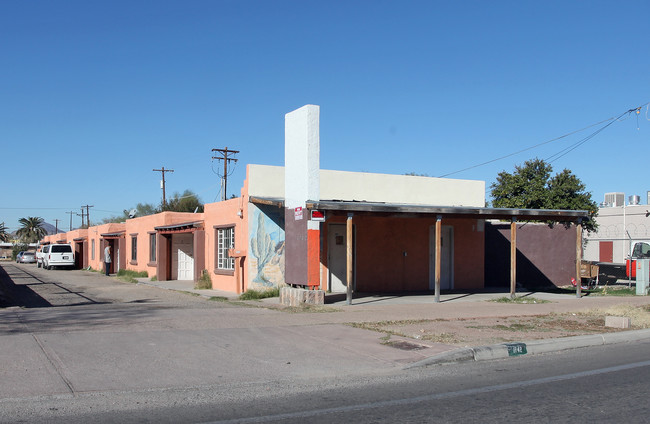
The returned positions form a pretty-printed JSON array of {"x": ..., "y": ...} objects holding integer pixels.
[
  {"x": 438, "y": 258},
  {"x": 348, "y": 234},
  {"x": 513, "y": 258},
  {"x": 578, "y": 259}
]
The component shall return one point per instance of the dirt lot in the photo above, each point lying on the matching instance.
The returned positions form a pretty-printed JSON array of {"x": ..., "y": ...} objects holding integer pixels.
[{"x": 493, "y": 330}]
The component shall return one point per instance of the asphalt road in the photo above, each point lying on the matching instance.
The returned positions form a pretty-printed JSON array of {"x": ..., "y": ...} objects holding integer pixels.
[
  {"x": 90, "y": 349},
  {"x": 604, "y": 384}
]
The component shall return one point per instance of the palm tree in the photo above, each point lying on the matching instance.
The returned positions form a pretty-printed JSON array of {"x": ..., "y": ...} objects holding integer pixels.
[
  {"x": 3, "y": 232},
  {"x": 31, "y": 230}
]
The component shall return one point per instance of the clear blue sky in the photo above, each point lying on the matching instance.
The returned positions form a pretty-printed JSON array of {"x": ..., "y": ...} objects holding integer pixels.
[{"x": 96, "y": 94}]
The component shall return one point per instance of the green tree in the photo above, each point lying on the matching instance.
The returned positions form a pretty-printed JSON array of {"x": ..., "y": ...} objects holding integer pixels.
[
  {"x": 531, "y": 186},
  {"x": 187, "y": 202},
  {"x": 4, "y": 236},
  {"x": 141, "y": 209},
  {"x": 31, "y": 229}
]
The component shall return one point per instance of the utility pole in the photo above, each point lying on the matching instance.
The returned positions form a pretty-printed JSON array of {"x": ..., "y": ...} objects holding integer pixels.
[
  {"x": 82, "y": 217},
  {"x": 71, "y": 213},
  {"x": 225, "y": 157},
  {"x": 87, "y": 213},
  {"x": 56, "y": 226},
  {"x": 163, "y": 170}
]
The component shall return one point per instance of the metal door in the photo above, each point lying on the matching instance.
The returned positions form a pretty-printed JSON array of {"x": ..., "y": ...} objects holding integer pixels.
[{"x": 337, "y": 258}]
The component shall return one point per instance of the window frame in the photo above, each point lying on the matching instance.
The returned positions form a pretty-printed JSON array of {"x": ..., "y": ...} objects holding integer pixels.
[
  {"x": 221, "y": 252},
  {"x": 153, "y": 243},
  {"x": 134, "y": 249}
]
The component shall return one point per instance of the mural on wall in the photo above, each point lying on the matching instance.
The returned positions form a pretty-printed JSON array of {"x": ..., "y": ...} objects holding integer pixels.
[{"x": 266, "y": 266}]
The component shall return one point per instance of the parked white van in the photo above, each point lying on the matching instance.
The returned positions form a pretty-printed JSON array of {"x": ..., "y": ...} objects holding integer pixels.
[
  {"x": 59, "y": 255},
  {"x": 40, "y": 253}
]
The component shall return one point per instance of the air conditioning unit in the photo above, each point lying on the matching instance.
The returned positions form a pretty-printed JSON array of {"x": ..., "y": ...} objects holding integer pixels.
[{"x": 615, "y": 199}]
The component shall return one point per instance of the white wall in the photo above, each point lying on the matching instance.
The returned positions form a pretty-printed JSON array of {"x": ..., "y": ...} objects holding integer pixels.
[
  {"x": 623, "y": 226},
  {"x": 268, "y": 181}
]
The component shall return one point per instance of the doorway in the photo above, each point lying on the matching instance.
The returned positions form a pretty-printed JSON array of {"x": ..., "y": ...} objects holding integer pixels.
[
  {"x": 183, "y": 256},
  {"x": 446, "y": 258},
  {"x": 337, "y": 257}
]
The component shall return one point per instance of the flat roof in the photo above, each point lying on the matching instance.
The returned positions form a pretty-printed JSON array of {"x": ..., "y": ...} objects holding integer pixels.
[
  {"x": 557, "y": 215},
  {"x": 451, "y": 211},
  {"x": 181, "y": 226}
]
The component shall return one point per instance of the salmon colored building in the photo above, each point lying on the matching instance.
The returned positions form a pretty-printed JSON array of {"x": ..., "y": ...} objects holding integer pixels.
[
  {"x": 100, "y": 236},
  {"x": 168, "y": 245},
  {"x": 303, "y": 226},
  {"x": 79, "y": 240}
]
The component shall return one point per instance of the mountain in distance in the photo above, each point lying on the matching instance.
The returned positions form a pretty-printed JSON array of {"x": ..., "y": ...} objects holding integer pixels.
[{"x": 51, "y": 229}]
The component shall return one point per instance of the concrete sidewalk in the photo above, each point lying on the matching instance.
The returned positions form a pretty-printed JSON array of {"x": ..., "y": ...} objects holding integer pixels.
[{"x": 459, "y": 305}]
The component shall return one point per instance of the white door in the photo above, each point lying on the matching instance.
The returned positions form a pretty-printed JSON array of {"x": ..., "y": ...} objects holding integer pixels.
[
  {"x": 337, "y": 258},
  {"x": 446, "y": 257},
  {"x": 183, "y": 256}
]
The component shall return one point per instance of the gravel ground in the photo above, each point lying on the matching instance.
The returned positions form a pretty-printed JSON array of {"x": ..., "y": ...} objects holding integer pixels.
[{"x": 493, "y": 330}]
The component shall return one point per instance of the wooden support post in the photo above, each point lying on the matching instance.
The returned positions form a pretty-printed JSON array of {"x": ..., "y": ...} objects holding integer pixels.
[
  {"x": 348, "y": 228},
  {"x": 513, "y": 258},
  {"x": 438, "y": 258},
  {"x": 578, "y": 259}
]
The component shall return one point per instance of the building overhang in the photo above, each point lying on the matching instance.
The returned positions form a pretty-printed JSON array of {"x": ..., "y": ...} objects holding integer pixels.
[
  {"x": 186, "y": 227},
  {"x": 112, "y": 236},
  {"x": 270, "y": 201},
  {"x": 372, "y": 208}
]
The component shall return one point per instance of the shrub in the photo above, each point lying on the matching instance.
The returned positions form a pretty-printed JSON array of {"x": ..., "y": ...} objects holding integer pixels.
[
  {"x": 134, "y": 274},
  {"x": 205, "y": 282},
  {"x": 130, "y": 276},
  {"x": 260, "y": 294}
]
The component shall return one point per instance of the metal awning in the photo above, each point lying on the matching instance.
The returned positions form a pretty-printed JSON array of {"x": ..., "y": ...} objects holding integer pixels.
[
  {"x": 450, "y": 211},
  {"x": 186, "y": 227},
  {"x": 115, "y": 235}
]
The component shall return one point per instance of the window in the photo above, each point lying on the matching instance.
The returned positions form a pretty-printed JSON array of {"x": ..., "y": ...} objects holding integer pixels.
[
  {"x": 152, "y": 247},
  {"x": 225, "y": 241},
  {"x": 92, "y": 249},
  {"x": 134, "y": 248},
  {"x": 65, "y": 248}
]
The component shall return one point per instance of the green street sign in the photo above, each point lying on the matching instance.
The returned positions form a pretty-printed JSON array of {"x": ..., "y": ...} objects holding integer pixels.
[{"x": 516, "y": 349}]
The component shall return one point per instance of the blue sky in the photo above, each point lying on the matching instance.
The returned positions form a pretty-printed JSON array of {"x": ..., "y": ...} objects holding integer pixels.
[{"x": 94, "y": 95}]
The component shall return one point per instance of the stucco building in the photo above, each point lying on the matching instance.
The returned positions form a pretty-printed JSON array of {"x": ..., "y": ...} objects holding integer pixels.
[{"x": 304, "y": 226}]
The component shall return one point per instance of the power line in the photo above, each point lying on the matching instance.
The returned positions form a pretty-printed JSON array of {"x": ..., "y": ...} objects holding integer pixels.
[
  {"x": 163, "y": 170},
  {"x": 226, "y": 158},
  {"x": 87, "y": 214},
  {"x": 579, "y": 143},
  {"x": 71, "y": 213},
  {"x": 610, "y": 120}
]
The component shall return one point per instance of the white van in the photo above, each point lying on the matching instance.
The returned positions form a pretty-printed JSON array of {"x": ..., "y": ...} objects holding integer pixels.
[{"x": 59, "y": 255}]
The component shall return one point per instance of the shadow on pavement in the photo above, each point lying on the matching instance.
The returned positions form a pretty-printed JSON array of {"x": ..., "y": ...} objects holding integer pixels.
[{"x": 12, "y": 294}]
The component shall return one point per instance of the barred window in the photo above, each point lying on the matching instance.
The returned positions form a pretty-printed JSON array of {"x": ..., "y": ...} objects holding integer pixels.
[{"x": 226, "y": 240}]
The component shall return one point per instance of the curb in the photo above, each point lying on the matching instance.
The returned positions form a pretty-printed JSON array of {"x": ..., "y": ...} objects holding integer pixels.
[{"x": 534, "y": 347}]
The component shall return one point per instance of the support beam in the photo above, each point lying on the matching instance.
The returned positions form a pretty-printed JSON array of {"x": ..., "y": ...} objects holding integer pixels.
[
  {"x": 578, "y": 259},
  {"x": 513, "y": 257},
  {"x": 348, "y": 228},
  {"x": 438, "y": 257}
]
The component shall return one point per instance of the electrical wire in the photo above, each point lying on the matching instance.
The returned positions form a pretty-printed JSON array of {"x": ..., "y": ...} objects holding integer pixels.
[{"x": 609, "y": 120}]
